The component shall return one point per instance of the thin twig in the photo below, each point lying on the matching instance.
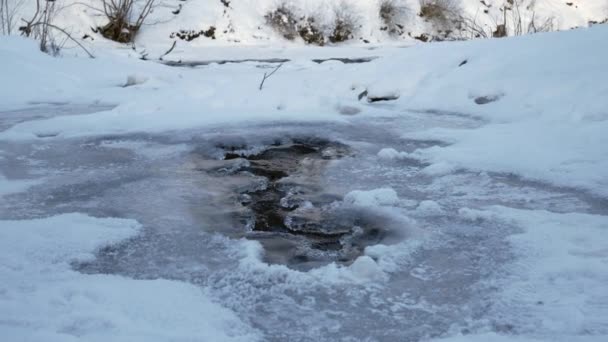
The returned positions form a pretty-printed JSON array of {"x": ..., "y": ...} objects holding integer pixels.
[
  {"x": 266, "y": 75},
  {"x": 67, "y": 34},
  {"x": 168, "y": 51}
]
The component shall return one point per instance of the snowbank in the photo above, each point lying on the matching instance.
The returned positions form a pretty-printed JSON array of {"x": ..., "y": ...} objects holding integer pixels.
[
  {"x": 557, "y": 284},
  {"x": 43, "y": 299}
]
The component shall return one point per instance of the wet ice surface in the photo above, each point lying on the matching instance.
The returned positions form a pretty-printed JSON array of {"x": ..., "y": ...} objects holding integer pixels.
[
  {"x": 435, "y": 267},
  {"x": 42, "y": 110}
]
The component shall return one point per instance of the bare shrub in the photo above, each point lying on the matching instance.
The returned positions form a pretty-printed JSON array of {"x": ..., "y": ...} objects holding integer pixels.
[
  {"x": 8, "y": 14},
  {"x": 125, "y": 18},
  {"x": 345, "y": 24},
  {"x": 40, "y": 26},
  {"x": 521, "y": 25},
  {"x": 393, "y": 14},
  {"x": 513, "y": 22},
  {"x": 284, "y": 21},
  {"x": 444, "y": 16},
  {"x": 438, "y": 10}
]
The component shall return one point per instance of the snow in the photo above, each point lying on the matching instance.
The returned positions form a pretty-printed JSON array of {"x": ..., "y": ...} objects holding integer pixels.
[
  {"x": 243, "y": 21},
  {"x": 429, "y": 207},
  {"x": 561, "y": 272},
  {"x": 372, "y": 198},
  {"x": 43, "y": 299},
  {"x": 538, "y": 109},
  {"x": 494, "y": 337},
  {"x": 8, "y": 187},
  {"x": 391, "y": 154},
  {"x": 557, "y": 286},
  {"x": 366, "y": 267},
  {"x": 514, "y": 189}
]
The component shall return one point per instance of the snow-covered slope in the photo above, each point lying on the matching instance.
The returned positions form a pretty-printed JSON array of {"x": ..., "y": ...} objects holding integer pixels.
[
  {"x": 545, "y": 104},
  {"x": 245, "y": 22}
]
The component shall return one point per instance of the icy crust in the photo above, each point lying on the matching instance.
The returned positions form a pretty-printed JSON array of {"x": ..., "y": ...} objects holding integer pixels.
[
  {"x": 43, "y": 299},
  {"x": 371, "y": 269},
  {"x": 555, "y": 290}
]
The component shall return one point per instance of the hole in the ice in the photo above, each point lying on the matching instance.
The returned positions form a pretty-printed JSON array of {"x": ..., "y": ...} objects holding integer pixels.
[{"x": 298, "y": 221}]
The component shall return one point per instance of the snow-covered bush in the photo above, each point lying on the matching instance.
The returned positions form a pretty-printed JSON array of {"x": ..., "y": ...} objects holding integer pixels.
[
  {"x": 393, "y": 14},
  {"x": 444, "y": 15},
  {"x": 311, "y": 32},
  {"x": 288, "y": 22},
  {"x": 284, "y": 21},
  {"x": 438, "y": 9},
  {"x": 514, "y": 19},
  {"x": 345, "y": 24}
]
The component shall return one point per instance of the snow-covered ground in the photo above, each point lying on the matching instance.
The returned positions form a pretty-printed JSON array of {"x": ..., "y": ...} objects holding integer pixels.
[
  {"x": 489, "y": 167},
  {"x": 244, "y": 22}
]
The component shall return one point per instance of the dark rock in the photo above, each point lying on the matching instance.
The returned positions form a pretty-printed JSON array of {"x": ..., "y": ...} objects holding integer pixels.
[
  {"x": 423, "y": 38},
  {"x": 501, "y": 31},
  {"x": 295, "y": 219},
  {"x": 379, "y": 98},
  {"x": 192, "y": 35},
  {"x": 482, "y": 100},
  {"x": 362, "y": 95}
]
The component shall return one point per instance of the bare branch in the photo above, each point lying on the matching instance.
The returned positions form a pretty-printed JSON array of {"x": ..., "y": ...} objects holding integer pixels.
[
  {"x": 120, "y": 26},
  {"x": 67, "y": 35},
  {"x": 168, "y": 51},
  {"x": 267, "y": 75}
]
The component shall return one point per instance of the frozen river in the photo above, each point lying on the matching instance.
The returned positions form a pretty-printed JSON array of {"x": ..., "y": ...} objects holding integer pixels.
[{"x": 390, "y": 249}]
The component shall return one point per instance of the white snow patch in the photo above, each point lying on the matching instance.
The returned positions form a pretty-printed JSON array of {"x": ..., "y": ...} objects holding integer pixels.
[
  {"x": 557, "y": 284},
  {"x": 475, "y": 215},
  {"x": 42, "y": 298},
  {"x": 429, "y": 208},
  {"x": 136, "y": 79},
  {"x": 392, "y": 154},
  {"x": 372, "y": 198},
  {"x": 381, "y": 92},
  {"x": 13, "y": 186},
  {"x": 439, "y": 169},
  {"x": 366, "y": 268}
]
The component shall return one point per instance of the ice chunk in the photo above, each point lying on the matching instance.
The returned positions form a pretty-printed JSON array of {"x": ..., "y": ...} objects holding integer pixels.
[
  {"x": 135, "y": 79},
  {"x": 391, "y": 154},
  {"x": 430, "y": 208},
  {"x": 372, "y": 198},
  {"x": 366, "y": 268}
]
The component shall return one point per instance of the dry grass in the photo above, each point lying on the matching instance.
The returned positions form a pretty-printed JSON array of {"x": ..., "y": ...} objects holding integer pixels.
[{"x": 393, "y": 14}]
